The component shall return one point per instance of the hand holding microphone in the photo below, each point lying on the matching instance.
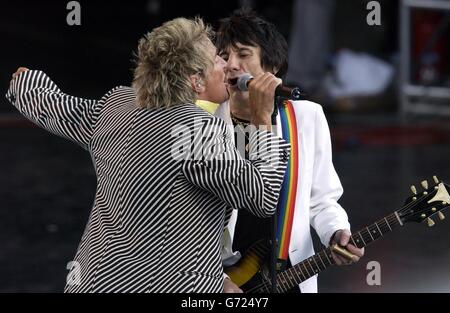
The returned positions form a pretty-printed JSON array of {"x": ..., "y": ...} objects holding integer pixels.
[
  {"x": 261, "y": 97},
  {"x": 291, "y": 93}
]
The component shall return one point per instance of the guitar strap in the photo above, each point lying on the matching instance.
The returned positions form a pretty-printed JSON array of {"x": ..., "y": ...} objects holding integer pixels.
[{"x": 288, "y": 193}]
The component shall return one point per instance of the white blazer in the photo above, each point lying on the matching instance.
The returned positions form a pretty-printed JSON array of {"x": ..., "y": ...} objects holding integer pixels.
[{"x": 318, "y": 189}]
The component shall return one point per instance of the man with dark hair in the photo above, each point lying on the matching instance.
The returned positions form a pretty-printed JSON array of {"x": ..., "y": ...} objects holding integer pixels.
[
  {"x": 310, "y": 192},
  {"x": 246, "y": 28}
]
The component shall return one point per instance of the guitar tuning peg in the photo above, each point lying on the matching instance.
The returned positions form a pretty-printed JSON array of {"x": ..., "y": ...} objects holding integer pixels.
[
  {"x": 441, "y": 216},
  {"x": 413, "y": 189},
  {"x": 424, "y": 184},
  {"x": 430, "y": 222},
  {"x": 436, "y": 180}
]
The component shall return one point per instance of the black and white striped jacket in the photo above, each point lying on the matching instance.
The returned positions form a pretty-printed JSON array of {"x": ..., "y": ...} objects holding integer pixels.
[{"x": 161, "y": 200}]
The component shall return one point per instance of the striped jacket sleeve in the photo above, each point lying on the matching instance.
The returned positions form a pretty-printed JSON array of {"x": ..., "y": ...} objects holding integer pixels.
[
  {"x": 37, "y": 97},
  {"x": 216, "y": 166}
]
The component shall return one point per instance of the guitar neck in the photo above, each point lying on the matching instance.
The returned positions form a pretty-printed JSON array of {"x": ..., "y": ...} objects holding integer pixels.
[{"x": 320, "y": 261}]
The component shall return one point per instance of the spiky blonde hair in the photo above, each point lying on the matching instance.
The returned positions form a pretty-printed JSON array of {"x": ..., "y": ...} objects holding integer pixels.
[{"x": 166, "y": 59}]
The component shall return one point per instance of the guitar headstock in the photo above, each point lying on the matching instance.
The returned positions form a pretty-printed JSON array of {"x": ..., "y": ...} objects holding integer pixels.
[{"x": 425, "y": 203}]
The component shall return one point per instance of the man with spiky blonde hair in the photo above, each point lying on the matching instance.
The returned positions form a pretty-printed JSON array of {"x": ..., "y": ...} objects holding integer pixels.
[{"x": 157, "y": 221}]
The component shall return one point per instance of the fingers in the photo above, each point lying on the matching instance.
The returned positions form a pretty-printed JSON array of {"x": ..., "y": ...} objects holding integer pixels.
[
  {"x": 344, "y": 237},
  {"x": 232, "y": 290},
  {"x": 270, "y": 84},
  {"x": 340, "y": 260},
  {"x": 230, "y": 287},
  {"x": 270, "y": 81},
  {"x": 18, "y": 71},
  {"x": 336, "y": 259},
  {"x": 356, "y": 251},
  {"x": 265, "y": 87},
  {"x": 261, "y": 96},
  {"x": 266, "y": 82}
]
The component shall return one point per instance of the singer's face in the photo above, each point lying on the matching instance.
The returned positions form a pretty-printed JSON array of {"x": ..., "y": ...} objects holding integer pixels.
[
  {"x": 215, "y": 87},
  {"x": 241, "y": 59}
]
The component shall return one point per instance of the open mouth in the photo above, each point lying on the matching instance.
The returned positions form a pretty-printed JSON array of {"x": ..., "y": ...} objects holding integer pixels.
[{"x": 232, "y": 82}]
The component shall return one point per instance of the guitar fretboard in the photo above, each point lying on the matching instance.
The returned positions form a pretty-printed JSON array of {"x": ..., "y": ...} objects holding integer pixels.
[{"x": 320, "y": 261}]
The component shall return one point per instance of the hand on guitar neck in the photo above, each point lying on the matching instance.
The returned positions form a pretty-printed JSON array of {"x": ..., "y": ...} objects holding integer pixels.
[
  {"x": 250, "y": 273},
  {"x": 342, "y": 237}
]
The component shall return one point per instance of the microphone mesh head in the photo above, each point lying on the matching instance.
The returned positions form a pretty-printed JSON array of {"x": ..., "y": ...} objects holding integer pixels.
[{"x": 242, "y": 82}]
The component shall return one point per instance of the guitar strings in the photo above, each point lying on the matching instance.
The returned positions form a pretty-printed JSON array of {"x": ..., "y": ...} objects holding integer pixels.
[
  {"x": 267, "y": 284},
  {"x": 390, "y": 218}
]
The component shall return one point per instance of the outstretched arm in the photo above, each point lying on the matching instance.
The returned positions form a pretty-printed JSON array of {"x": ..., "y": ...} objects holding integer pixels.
[{"x": 38, "y": 98}]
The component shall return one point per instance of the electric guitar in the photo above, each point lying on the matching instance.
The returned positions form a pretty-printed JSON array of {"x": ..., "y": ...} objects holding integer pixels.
[{"x": 251, "y": 273}]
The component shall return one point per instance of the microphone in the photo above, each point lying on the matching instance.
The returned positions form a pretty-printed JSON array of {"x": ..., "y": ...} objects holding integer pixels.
[{"x": 291, "y": 93}]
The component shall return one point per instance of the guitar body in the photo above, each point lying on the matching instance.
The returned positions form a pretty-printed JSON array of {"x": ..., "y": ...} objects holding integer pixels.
[{"x": 251, "y": 273}]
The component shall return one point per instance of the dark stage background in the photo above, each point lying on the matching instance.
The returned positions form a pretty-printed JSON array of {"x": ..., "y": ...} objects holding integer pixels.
[{"x": 47, "y": 184}]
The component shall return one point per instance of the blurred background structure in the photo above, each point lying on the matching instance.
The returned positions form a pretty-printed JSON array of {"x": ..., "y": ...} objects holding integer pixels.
[{"x": 385, "y": 89}]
